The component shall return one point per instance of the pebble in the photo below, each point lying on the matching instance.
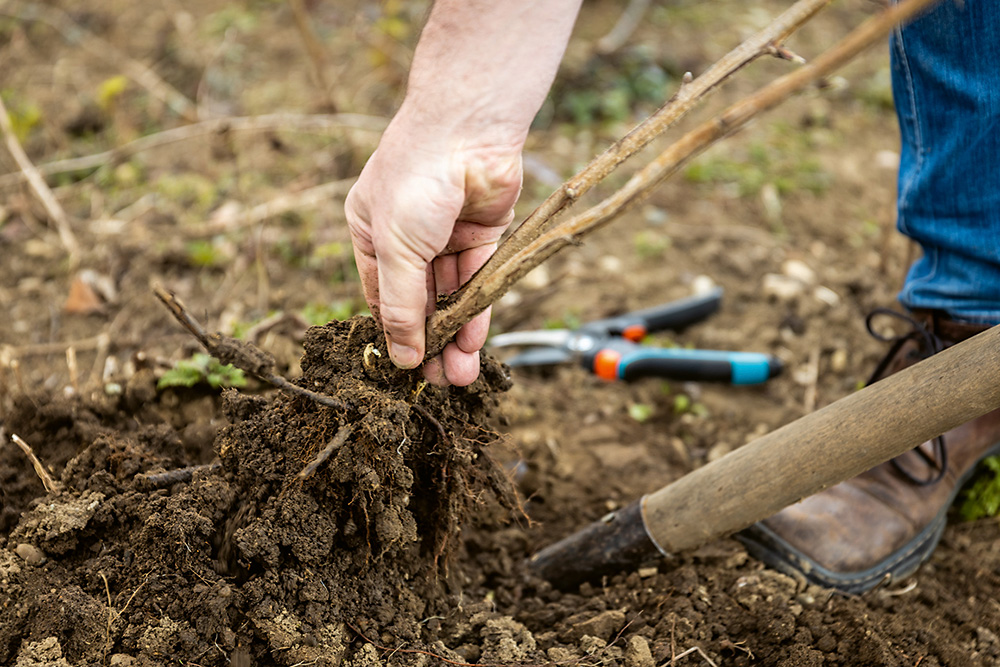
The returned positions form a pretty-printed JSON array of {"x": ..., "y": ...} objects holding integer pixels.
[
  {"x": 31, "y": 554},
  {"x": 603, "y": 625},
  {"x": 782, "y": 288},
  {"x": 838, "y": 360},
  {"x": 702, "y": 284},
  {"x": 610, "y": 264},
  {"x": 826, "y": 295},
  {"x": 637, "y": 653},
  {"x": 537, "y": 278},
  {"x": 799, "y": 270},
  {"x": 647, "y": 572}
]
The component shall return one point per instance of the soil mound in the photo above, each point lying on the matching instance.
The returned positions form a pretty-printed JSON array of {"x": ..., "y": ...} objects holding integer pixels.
[{"x": 313, "y": 521}]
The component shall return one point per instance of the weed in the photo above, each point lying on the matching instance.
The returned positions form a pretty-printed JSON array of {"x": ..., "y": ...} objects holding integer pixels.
[
  {"x": 640, "y": 412},
  {"x": 205, "y": 254},
  {"x": 24, "y": 116},
  {"x": 202, "y": 369},
  {"x": 982, "y": 497},
  {"x": 110, "y": 90},
  {"x": 649, "y": 244},
  {"x": 784, "y": 160}
]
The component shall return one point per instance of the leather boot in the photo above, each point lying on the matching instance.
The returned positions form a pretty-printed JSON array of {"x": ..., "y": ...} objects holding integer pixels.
[{"x": 882, "y": 524}]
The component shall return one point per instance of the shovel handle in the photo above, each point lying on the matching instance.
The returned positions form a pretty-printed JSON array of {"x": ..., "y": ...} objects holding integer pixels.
[{"x": 823, "y": 448}]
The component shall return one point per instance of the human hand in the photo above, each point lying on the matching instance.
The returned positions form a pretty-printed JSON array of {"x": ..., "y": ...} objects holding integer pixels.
[{"x": 425, "y": 215}]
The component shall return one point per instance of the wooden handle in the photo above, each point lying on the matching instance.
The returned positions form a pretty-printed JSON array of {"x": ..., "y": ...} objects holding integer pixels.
[
  {"x": 828, "y": 446},
  {"x": 823, "y": 448}
]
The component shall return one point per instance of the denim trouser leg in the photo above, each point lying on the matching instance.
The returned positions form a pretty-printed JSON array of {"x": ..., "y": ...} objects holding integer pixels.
[{"x": 946, "y": 82}]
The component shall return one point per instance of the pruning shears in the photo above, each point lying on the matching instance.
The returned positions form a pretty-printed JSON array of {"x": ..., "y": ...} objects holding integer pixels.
[{"x": 611, "y": 348}]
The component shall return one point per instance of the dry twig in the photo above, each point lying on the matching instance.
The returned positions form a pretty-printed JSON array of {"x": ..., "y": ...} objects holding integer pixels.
[
  {"x": 685, "y": 99},
  {"x": 336, "y": 443},
  {"x": 264, "y": 123},
  {"x": 162, "y": 480},
  {"x": 524, "y": 251},
  {"x": 629, "y": 20},
  {"x": 693, "y": 649},
  {"x": 243, "y": 355},
  {"x": 50, "y": 484},
  {"x": 313, "y": 197},
  {"x": 314, "y": 49},
  {"x": 40, "y": 188}
]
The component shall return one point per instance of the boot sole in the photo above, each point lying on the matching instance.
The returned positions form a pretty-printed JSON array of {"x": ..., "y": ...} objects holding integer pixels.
[{"x": 766, "y": 546}]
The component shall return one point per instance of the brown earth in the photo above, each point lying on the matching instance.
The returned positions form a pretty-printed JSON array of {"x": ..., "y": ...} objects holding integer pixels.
[{"x": 405, "y": 546}]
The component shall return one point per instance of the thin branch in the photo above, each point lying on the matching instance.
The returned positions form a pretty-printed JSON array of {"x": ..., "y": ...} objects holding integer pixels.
[
  {"x": 51, "y": 485},
  {"x": 693, "y": 649},
  {"x": 310, "y": 198},
  {"x": 629, "y": 20},
  {"x": 264, "y": 123},
  {"x": 687, "y": 96},
  {"x": 336, "y": 443},
  {"x": 162, "y": 480},
  {"x": 74, "y": 33},
  {"x": 314, "y": 49},
  {"x": 40, "y": 188},
  {"x": 486, "y": 287},
  {"x": 239, "y": 353}
]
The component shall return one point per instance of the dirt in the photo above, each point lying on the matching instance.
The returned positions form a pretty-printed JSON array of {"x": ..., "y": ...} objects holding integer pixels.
[{"x": 393, "y": 528}]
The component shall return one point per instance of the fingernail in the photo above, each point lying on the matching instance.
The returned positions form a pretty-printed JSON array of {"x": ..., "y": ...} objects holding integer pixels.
[{"x": 404, "y": 356}]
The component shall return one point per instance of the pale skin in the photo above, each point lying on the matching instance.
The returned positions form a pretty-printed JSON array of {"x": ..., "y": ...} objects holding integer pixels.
[{"x": 437, "y": 194}]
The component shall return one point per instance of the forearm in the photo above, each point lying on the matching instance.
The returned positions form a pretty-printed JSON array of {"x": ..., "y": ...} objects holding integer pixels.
[{"x": 483, "y": 67}]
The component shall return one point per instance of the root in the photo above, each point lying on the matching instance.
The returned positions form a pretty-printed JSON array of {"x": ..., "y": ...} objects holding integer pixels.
[
  {"x": 335, "y": 444},
  {"x": 50, "y": 484},
  {"x": 243, "y": 355},
  {"x": 162, "y": 480}
]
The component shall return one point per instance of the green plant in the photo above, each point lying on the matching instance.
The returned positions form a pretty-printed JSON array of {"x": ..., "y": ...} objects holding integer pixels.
[
  {"x": 202, "y": 369},
  {"x": 640, "y": 412},
  {"x": 24, "y": 116},
  {"x": 982, "y": 497},
  {"x": 204, "y": 254}
]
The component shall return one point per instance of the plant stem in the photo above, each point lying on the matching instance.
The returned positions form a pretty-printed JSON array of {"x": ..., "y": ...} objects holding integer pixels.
[{"x": 489, "y": 285}]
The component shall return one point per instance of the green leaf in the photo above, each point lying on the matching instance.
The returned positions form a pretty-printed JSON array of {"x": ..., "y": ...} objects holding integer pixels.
[
  {"x": 640, "y": 411},
  {"x": 982, "y": 497},
  {"x": 202, "y": 369}
]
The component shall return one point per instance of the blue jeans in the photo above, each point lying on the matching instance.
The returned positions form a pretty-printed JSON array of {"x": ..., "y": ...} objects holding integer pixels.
[{"x": 946, "y": 83}]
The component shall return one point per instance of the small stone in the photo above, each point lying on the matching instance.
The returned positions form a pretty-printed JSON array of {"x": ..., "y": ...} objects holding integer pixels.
[
  {"x": 610, "y": 264},
  {"x": 559, "y": 654},
  {"x": 537, "y": 278},
  {"x": 647, "y": 572},
  {"x": 602, "y": 626},
  {"x": 637, "y": 653},
  {"x": 702, "y": 284},
  {"x": 782, "y": 288},
  {"x": 718, "y": 450},
  {"x": 121, "y": 660},
  {"x": 887, "y": 159},
  {"x": 655, "y": 215},
  {"x": 592, "y": 645},
  {"x": 838, "y": 360},
  {"x": 31, "y": 554},
  {"x": 799, "y": 270},
  {"x": 826, "y": 295},
  {"x": 511, "y": 299}
]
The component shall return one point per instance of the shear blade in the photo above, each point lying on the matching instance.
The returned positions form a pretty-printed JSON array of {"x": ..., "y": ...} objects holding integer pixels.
[{"x": 540, "y": 356}]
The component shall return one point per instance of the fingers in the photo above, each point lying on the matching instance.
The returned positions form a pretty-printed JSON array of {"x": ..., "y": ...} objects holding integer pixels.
[{"x": 402, "y": 295}]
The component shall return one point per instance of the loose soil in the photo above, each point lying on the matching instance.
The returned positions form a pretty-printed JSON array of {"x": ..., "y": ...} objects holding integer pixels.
[{"x": 405, "y": 543}]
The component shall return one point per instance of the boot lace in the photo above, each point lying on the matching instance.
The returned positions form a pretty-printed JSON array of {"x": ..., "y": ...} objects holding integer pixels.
[{"x": 928, "y": 344}]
